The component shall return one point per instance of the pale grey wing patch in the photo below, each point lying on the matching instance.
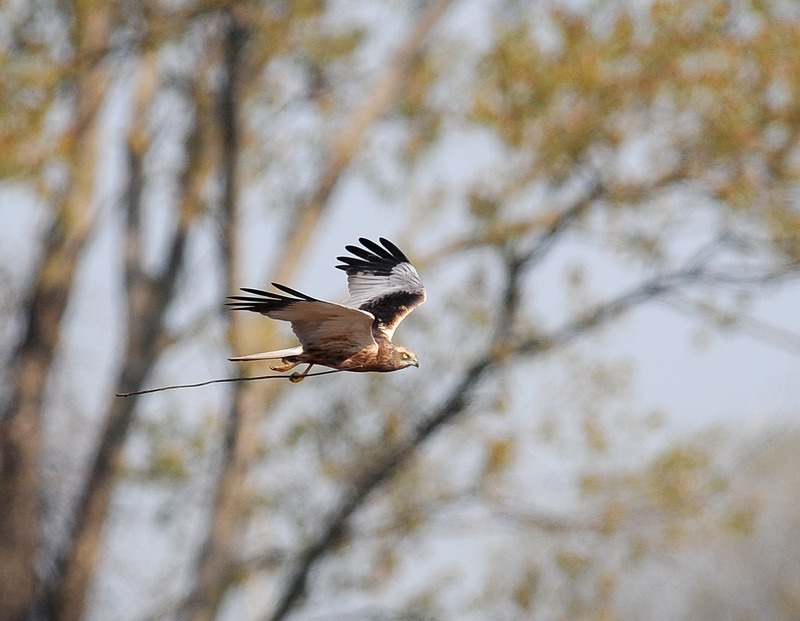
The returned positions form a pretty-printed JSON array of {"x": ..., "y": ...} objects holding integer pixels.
[
  {"x": 365, "y": 286},
  {"x": 382, "y": 281}
]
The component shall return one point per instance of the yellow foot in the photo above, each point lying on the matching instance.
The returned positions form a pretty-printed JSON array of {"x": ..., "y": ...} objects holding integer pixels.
[
  {"x": 282, "y": 368},
  {"x": 297, "y": 377}
]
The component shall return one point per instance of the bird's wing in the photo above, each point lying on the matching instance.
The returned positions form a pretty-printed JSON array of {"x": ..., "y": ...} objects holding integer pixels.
[
  {"x": 382, "y": 281},
  {"x": 337, "y": 330}
]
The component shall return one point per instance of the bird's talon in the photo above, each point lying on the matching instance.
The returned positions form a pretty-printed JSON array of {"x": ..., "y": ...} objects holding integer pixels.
[
  {"x": 297, "y": 377},
  {"x": 282, "y": 368}
]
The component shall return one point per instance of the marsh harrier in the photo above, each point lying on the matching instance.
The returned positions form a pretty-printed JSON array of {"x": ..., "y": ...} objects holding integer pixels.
[{"x": 356, "y": 335}]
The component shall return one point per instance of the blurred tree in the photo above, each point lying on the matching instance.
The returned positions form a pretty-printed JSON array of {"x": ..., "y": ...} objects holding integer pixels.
[
  {"x": 33, "y": 80},
  {"x": 666, "y": 136}
]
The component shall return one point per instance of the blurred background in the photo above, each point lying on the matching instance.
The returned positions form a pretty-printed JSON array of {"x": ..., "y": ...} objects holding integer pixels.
[{"x": 602, "y": 199}]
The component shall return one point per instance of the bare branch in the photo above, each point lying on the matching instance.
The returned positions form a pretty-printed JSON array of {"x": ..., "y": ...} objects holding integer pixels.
[
  {"x": 517, "y": 262},
  {"x": 559, "y": 224},
  {"x": 748, "y": 277},
  {"x": 548, "y": 522},
  {"x": 498, "y": 233},
  {"x": 601, "y": 314},
  {"x": 719, "y": 318}
]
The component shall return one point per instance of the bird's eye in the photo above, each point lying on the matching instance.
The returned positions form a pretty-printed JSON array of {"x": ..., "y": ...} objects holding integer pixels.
[{"x": 406, "y": 356}]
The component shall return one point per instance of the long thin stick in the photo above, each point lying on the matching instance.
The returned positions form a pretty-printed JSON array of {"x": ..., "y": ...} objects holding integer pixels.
[{"x": 220, "y": 381}]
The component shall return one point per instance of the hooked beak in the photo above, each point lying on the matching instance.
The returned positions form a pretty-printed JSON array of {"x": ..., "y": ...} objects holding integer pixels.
[{"x": 416, "y": 364}]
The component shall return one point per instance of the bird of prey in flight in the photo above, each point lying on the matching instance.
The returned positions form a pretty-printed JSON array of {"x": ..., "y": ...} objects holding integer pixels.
[{"x": 356, "y": 335}]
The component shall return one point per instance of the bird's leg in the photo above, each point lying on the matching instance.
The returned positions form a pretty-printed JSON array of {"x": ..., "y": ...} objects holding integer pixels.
[
  {"x": 297, "y": 377},
  {"x": 286, "y": 366}
]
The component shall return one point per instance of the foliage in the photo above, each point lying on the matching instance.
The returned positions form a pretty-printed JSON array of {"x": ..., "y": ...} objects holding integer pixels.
[{"x": 550, "y": 173}]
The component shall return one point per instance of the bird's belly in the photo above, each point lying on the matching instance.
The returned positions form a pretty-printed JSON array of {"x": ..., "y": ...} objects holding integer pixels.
[{"x": 365, "y": 361}]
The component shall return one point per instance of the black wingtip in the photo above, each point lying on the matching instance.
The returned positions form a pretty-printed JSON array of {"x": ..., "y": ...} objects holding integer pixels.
[
  {"x": 254, "y": 291},
  {"x": 373, "y": 251},
  {"x": 293, "y": 292},
  {"x": 362, "y": 253},
  {"x": 379, "y": 250},
  {"x": 391, "y": 247},
  {"x": 372, "y": 257}
]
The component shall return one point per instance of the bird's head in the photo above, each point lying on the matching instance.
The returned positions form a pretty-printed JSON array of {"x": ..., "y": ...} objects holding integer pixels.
[{"x": 405, "y": 358}]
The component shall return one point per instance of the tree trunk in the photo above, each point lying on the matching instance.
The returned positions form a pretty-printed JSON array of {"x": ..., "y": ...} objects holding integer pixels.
[
  {"x": 213, "y": 563},
  {"x": 20, "y": 419},
  {"x": 148, "y": 300}
]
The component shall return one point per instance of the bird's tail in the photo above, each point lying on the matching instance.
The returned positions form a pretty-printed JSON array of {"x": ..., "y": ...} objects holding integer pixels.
[{"x": 270, "y": 355}]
